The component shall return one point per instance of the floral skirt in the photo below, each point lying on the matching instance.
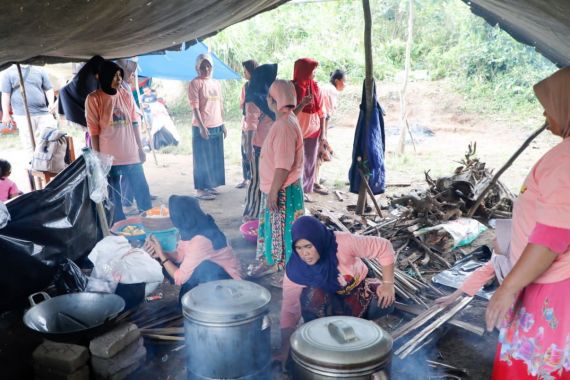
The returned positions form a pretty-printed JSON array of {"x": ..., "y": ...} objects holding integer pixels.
[
  {"x": 274, "y": 233},
  {"x": 534, "y": 342}
]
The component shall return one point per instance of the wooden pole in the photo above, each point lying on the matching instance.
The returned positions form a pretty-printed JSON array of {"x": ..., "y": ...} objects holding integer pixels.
[
  {"x": 526, "y": 143},
  {"x": 369, "y": 93},
  {"x": 25, "y": 99},
  {"x": 403, "y": 117},
  {"x": 143, "y": 121}
]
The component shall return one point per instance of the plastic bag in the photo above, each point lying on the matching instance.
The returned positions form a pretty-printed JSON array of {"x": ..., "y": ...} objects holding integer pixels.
[
  {"x": 69, "y": 278},
  {"x": 98, "y": 167},
  {"x": 117, "y": 262},
  {"x": 452, "y": 234},
  {"x": 4, "y": 215}
]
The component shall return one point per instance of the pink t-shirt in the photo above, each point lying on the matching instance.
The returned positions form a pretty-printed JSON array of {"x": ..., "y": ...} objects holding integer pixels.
[
  {"x": 241, "y": 105},
  {"x": 110, "y": 117},
  {"x": 329, "y": 94},
  {"x": 310, "y": 124},
  {"x": 282, "y": 149},
  {"x": 544, "y": 199},
  {"x": 351, "y": 268},
  {"x": 205, "y": 94},
  {"x": 7, "y": 189},
  {"x": 191, "y": 253},
  {"x": 257, "y": 121}
]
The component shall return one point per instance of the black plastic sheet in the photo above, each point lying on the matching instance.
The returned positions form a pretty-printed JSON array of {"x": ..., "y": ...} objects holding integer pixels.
[{"x": 47, "y": 227}]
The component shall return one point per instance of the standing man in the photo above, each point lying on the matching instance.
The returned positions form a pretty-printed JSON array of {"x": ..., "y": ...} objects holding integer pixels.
[{"x": 39, "y": 92}]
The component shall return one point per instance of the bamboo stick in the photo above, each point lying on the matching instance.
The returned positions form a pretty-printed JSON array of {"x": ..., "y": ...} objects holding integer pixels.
[
  {"x": 412, "y": 343},
  {"x": 165, "y": 337},
  {"x": 164, "y": 330},
  {"x": 416, "y": 322},
  {"x": 161, "y": 321}
]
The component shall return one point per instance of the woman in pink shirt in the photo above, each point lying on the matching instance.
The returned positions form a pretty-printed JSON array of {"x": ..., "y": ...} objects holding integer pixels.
[
  {"x": 203, "y": 253},
  {"x": 310, "y": 115},
  {"x": 258, "y": 119},
  {"x": 531, "y": 307},
  {"x": 246, "y": 136},
  {"x": 326, "y": 276},
  {"x": 280, "y": 168},
  {"x": 208, "y": 131}
]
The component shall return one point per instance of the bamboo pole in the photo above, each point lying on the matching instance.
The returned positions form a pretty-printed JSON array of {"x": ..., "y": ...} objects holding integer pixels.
[
  {"x": 403, "y": 118},
  {"x": 521, "y": 149},
  {"x": 368, "y": 93},
  {"x": 26, "y": 107}
]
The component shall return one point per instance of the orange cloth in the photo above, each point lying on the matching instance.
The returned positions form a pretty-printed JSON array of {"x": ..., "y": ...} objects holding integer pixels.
[
  {"x": 191, "y": 253},
  {"x": 110, "y": 117},
  {"x": 282, "y": 149},
  {"x": 205, "y": 94},
  {"x": 351, "y": 248}
]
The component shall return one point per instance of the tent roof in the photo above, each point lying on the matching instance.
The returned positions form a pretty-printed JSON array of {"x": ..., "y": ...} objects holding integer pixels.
[
  {"x": 544, "y": 24},
  {"x": 180, "y": 65},
  {"x": 42, "y": 32}
]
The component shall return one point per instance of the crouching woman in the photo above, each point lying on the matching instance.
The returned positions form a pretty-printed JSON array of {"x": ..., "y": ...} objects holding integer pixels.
[
  {"x": 203, "y": 253},
  {"x": 326, "y": 276}
]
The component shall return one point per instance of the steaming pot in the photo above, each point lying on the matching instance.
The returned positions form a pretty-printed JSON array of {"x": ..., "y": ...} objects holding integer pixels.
[
  {"x": 341, "y": 347},
  {"x": 227, "y": 331}
]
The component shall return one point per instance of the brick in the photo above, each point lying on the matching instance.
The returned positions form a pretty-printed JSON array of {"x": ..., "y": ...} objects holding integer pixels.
[
  {"x": 109, "y": 344},
  {"x": 122, "y": 374},
  {"x": 64, "y": 357},
  {"x": 46, "y": 373},
  {"x": 132, "y": 354}
]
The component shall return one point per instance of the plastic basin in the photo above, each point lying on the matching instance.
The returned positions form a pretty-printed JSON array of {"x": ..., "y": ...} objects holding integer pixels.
[
  {"x": 168, "y": 239},
  {"x": 249, "y": 230},
  {"x": 136, "y": 221}
]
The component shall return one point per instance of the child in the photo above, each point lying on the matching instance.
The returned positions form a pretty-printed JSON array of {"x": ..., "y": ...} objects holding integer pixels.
[{"x": 8, "y": 189}]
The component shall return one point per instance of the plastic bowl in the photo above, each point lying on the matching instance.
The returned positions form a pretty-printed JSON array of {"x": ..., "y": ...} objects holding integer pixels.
[
  {"x": 168, "y": 239},
  {"x": 249, "y": 230},
  {"x": 136, "y": 221}
]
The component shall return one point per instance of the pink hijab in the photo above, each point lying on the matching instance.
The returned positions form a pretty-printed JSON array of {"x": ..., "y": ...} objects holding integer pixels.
[
  {"x": 283, "y": 91},
  {"x": 554, "y": 95}
]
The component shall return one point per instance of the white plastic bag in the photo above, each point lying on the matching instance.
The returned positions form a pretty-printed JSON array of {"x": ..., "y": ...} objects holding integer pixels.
[
  {"x": 4, "y": 215},
  {"x": 115, "y": 261},
  {"x": 98, "y": 167},
  {"x": 463, "y": 231}
]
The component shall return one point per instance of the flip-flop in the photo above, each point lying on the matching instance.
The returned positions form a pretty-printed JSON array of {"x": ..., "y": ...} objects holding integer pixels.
[
  {"x": 206, "y": 197},
  {"x": 241, "y": 185},
  {"x": 321, "y": 190},
  {"x": 213, "y": 191}
]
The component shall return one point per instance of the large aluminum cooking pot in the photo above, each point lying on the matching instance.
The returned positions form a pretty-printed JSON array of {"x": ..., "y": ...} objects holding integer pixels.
[
  {"x": 341, "y": 347},
  {"x": 227, "y": 331},
  {"x": 72, "y": 317}
]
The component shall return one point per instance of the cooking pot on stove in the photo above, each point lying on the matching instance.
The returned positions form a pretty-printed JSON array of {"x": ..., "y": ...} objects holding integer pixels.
[
  {"x": 341, "y": 347},
  {"x": 228, "y": 332},
  {"x": 74, "y": 317}
]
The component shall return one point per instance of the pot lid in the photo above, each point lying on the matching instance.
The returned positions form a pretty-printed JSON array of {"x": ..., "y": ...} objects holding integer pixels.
[
  {"x": 225, "y": 301},
  {"x": 341, "y": 342}
]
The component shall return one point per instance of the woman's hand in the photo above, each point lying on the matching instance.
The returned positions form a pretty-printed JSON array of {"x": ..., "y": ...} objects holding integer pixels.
[
  {"x": 204, "y": 133},
  {"x": 224, "y": 131},
  {"x": 386, "y": 294},
  {"x": 498, "y": 307},
  {"x": 152, "y": 246},
  {"x": 306, "y": 100},
  {"x": 449, "y": 299},
  {"x": 272, "y": 201}
]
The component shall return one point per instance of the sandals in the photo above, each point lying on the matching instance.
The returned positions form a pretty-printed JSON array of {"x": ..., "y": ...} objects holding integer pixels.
[
  {"x": 320, "y": 189},
  {"x": 205, "y": 196},
  {"x": 242, "y": 184},
  {"x": 212, "y": 191}
]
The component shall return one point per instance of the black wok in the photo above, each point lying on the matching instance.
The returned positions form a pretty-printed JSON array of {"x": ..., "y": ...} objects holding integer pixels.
[{"x": 75, "y": 317}]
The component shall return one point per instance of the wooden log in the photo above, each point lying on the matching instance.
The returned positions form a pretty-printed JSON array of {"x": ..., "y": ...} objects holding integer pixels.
[{"x": 338, "y": 196}]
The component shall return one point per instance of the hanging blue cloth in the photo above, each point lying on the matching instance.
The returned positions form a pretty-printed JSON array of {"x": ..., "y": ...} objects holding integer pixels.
[{"x": 374, "y": 141}]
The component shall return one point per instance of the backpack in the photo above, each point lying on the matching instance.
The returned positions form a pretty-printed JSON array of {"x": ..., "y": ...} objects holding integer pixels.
[{"x": 50, "y": 152}]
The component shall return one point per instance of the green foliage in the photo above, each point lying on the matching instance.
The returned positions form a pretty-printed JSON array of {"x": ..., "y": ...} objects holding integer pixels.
[{"x": 493, "y": 70}]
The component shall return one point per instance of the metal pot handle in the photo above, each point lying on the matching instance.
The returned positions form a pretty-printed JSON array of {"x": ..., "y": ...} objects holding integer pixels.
[
  {"x": 342, "y": 332},
  {"x": 265, "y": 323},
  {"x": 44, "y": 295}
]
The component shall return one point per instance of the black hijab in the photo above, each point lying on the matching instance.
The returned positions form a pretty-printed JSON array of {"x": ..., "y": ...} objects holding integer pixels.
[
  {"x": 256, "y": 91},
  {"x": 72, "y": 96},
  {"x": 188, "y": 217},
  {"x": 107, "y": 71}
]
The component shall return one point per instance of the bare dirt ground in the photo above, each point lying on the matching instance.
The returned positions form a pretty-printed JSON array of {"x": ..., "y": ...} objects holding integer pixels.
[{"x": 442, "y": 130}]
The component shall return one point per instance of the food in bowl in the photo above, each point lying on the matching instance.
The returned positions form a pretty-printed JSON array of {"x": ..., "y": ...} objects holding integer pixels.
[
  {"x": 132, "y": 230},
  {"x": 157, "y": 212}
]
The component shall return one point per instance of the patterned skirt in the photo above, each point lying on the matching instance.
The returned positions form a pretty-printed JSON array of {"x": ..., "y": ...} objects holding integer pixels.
[
  {"x": 534, "y": 342},
  {"x": 274, "y": 234}
]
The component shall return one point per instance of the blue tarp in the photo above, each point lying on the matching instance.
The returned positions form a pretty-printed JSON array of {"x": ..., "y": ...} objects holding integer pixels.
[{"x": 179, "y": 65}]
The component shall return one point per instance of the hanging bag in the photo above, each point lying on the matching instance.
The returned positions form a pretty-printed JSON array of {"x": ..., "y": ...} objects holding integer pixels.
[{"x": 50, "y": 152}]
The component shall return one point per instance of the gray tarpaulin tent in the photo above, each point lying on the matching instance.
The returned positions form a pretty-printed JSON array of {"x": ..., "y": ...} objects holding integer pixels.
[{"x": 70, "y": 30}]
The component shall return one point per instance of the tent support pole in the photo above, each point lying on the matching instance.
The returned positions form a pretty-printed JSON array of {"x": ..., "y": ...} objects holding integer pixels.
[
  {"x": 368, "y": 88},
  {"x": 25, "y": 99},
  {"x": 143, "y": 120},
  {"x": 103, "y": 223}
]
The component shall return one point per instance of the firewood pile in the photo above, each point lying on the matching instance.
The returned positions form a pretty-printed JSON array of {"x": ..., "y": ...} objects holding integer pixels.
[{"x": 420, "y": 255}]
